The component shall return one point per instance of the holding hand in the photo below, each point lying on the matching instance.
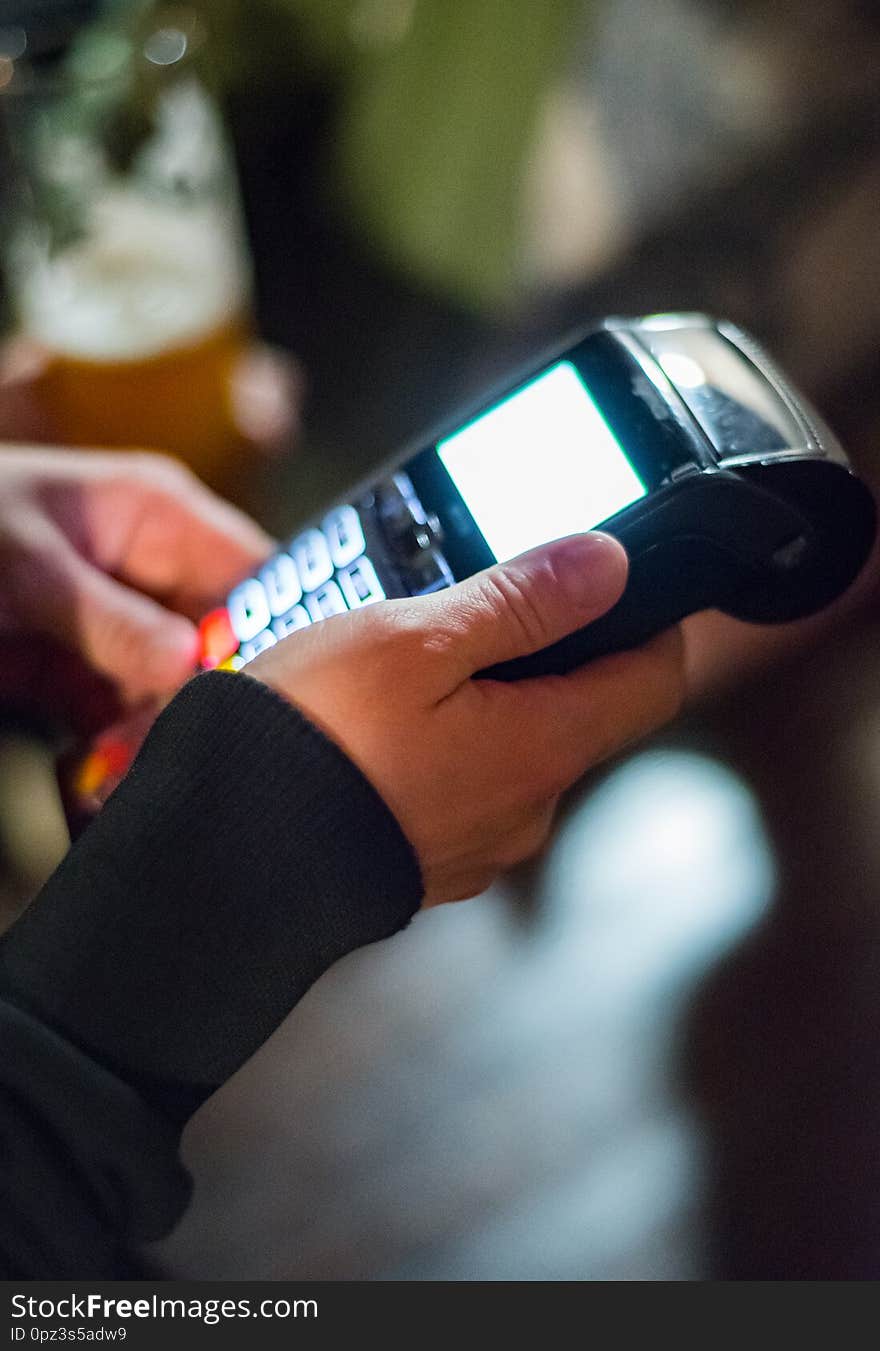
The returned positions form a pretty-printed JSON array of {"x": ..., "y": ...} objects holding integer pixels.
[{"x": 472, "y": 769}]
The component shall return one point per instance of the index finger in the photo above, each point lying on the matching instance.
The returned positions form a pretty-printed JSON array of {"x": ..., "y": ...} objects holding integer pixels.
[{"x": 183, "y": 543}]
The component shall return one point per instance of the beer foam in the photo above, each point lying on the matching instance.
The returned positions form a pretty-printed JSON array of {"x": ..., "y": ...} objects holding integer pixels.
[{"x": 151, "y": 276}]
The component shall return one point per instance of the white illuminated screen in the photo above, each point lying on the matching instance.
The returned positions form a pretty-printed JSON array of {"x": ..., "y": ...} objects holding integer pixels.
[{"x": 541, "y": 465}]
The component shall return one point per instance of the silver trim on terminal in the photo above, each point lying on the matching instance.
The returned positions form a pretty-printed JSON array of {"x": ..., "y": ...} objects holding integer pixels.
[
  {"x": 660, "y": 323},
  {"x": 704, "y": 450},
  {"x": 769, "y": 457},
  {"x": 817, "y": 433}
]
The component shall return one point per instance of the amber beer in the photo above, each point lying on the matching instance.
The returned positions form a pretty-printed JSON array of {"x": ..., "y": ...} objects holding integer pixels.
[
  {"x": 142, "y": 323},
  {"x": 178, "y": 400}
]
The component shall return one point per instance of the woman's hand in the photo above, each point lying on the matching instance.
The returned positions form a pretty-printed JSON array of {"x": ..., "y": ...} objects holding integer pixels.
[
  {"x": 472, "y": 769},
  {"x": 106, "y": 559}
]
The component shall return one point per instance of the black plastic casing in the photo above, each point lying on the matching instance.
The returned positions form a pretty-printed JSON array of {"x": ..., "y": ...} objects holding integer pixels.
[{"x": 751, "y": 506}]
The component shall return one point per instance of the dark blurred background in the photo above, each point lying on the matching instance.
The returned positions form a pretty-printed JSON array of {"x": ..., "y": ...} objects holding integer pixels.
[{"x": 654, "y": 1054}]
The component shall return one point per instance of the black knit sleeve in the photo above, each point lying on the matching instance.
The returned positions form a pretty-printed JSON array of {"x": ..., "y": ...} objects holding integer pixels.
[
  {"x": 240, "y": 857},
  {"x": 89, "y": 1171}
]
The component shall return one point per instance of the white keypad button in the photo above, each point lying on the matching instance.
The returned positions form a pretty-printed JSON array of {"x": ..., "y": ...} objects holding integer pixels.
[
  {"x": 297, "y": 619},
  {"x": 248, "y": 607},
  {"x": 248, "y": 651},
  {"x": 326, "y": 601},
  {"x": 281, "y": 582},
  {"x": 312, "y": 558},
  {"x": 345, "y": 537},
  {"x": 360, "y": 585}
]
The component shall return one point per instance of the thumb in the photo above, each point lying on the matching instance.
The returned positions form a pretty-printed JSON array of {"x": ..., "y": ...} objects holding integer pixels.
[
  {"x": 519, "y": 607},
  {"x": 140, "y": 645}
]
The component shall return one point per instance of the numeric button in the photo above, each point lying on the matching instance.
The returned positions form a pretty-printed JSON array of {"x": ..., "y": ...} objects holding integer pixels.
[
  {"x": 360, "y": 585},
  {"x": 281, "y": 582},
  {"x": 297, "y": 619},
  {"x": 248, "y": 607},
  {"x": 345, "y": 536},
  {"x": 326, "y": 601},
  {"x": 248, "y": 651},
  {"x": 312, "y": 558}
]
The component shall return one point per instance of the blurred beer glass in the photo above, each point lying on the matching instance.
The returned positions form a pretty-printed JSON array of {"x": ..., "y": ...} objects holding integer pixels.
[{"x": 124, "y": 248}]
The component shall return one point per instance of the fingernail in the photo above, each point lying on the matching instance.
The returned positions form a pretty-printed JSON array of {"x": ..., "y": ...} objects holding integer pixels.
[{"x": 589, "y": 567}]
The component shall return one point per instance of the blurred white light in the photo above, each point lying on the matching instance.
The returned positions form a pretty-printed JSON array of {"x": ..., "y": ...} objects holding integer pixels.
[
  {"x": 652, "y": 878},
  {"x": 664, "y": 866},
  {"x": 166, "y": 46}
]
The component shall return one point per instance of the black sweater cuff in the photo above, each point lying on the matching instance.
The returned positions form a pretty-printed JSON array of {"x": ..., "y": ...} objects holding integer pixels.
[{"x": 242, "y": 855}]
